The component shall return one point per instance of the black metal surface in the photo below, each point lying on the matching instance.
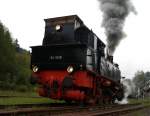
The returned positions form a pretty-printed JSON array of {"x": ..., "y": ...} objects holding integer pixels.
[
  {"x": 58, "y": 56},
  {"x": 66, "y": 34},
  {"x": 69, "y": 45}
]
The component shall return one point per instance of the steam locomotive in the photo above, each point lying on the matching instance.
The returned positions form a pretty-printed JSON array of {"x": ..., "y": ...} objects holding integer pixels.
[{"x": 71, "y": 64}]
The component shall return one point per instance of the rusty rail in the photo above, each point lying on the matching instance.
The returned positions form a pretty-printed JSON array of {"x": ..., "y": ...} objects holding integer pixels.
[
  {"x": 118, "y": 112},
  {"x": 72, "y": 110},
  {"x": 35, "y": 105}
]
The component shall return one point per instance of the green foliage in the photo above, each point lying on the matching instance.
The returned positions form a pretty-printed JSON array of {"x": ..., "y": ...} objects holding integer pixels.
[
  {"x": 7, "y": 51},
  {"x": 14, "y": 63},
  {"x": 145, "y": 102},
  {"x": 141, "y": 78},
  {"x": 23, "y": 69},
  {"x": 18, "y": 93}
]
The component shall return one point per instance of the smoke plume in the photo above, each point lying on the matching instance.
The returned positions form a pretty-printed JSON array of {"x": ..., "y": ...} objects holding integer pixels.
[{"x": 114, "y": 15}]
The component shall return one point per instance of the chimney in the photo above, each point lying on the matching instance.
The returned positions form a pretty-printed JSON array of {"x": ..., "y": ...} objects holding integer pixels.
[{"x": 110, "y": 58}]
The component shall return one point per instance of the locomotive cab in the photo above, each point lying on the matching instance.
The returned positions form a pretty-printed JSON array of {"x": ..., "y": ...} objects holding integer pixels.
[{"x": 61, "y": 30}]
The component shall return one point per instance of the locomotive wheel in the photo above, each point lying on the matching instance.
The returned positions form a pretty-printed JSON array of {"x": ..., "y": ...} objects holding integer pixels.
[
  {"x": 99, "y": 98},
  {"x": 113, "y": 99},
  {"x": 120, "y": 95},
  {"x": 82, "y": 103},
  {"x": 90, "y": 101},
  {"x": 106, "y": 100},
  {"x": 100, "y": 101},
  {"x": 68, "y": 101}
]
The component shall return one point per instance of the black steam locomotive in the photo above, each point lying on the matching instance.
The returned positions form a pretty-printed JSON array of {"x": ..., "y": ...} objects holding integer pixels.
[{"x": 72, "y": 65}]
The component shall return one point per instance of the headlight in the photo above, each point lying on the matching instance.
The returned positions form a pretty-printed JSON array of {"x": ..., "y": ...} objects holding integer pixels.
[
  {"x": 35, "y": 69},
  {"x": 70, "y": 69},
  {"x": 58, "y": 27}
]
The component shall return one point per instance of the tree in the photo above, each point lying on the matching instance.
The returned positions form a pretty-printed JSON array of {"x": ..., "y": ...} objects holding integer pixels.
[
  {"x": 140, "y": 79},
  {"x": 14, "y": 62},
  {"x": 23, "y": 69},
  {"x": 7, "y": 51}
]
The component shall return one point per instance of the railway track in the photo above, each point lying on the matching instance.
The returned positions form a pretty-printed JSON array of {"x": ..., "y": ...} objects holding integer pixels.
[
  {"x": 103, "y": 110},
  {"x": 37, "y": 105},
  {"x": 111, "y": 111}
]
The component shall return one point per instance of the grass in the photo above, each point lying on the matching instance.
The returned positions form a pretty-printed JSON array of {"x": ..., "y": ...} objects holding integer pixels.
[
  {"x": 28, "y": 98},
  {"x": 17, "y": 101},
  {"x": 140, "y": 112},
  {"x": 24, "y": 98},
  {"x": 145, "y": 101},
  {"x": 17, "y": 93}
]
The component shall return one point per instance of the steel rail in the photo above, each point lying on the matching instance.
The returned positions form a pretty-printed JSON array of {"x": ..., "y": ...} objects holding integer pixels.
[{"x": 64, "y": 111}]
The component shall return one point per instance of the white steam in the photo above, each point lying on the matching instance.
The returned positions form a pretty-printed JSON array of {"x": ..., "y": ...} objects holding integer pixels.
[{"x": 128, "y": 90}]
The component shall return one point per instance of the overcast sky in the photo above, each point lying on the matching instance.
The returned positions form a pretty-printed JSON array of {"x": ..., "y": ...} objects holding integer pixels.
[{"x": 24, "y": 19}]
